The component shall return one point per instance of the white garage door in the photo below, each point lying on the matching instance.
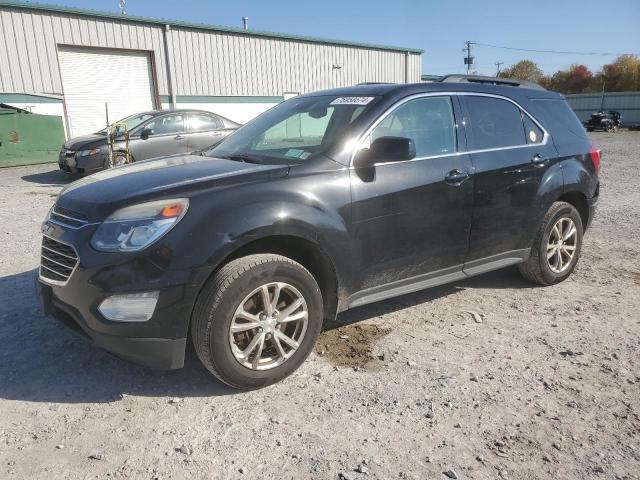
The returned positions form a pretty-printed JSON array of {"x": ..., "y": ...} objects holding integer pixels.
[{"x": 91, "y": 77}]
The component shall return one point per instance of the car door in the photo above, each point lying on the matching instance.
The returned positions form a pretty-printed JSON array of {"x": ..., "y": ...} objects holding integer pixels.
[
  {"x": 204, "y": 130},
  {"x": 412, "y": 218},
  {"x": 167, "y": 136},
  {"x": 510, "y": 154}
]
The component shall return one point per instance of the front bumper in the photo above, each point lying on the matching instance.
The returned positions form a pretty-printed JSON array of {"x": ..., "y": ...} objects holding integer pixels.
[
  {"x": 158, "y": 353},
  {"x": 68, "y": 162},
  {"x": 159, "y": 342}
]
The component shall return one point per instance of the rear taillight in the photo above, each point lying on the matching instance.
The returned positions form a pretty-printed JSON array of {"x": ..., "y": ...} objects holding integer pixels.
[{"x": 595, "y": 158}]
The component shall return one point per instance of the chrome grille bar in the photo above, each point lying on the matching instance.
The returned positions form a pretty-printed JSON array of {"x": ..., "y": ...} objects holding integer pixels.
[{"x": 58, "y": 261}]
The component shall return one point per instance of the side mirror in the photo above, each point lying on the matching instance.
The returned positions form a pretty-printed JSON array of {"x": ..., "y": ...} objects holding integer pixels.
[
  {"x": 386, "y": 149},
  {"x": 144, "y": 134}
]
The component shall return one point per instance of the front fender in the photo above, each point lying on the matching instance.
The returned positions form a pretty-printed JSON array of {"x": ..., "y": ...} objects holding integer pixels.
[{"x": 315, "y": 209}]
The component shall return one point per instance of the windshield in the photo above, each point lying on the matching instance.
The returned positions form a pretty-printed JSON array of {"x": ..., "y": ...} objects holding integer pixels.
[
  {"x": 130, "y": 122},
  {"x": 294, "y": 131}
]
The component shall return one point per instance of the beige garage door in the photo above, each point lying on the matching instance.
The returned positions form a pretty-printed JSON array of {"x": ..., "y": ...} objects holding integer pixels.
[{"x": 91, "y": 77}]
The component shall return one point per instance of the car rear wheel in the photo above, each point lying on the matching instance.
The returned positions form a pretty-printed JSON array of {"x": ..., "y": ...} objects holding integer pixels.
[
  {"x": 557, "y": 246},
  {"x": 257, "y": 320}
]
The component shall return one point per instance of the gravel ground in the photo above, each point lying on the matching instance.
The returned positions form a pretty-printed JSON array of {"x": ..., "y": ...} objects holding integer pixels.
[{"x": 545, "y": 385}]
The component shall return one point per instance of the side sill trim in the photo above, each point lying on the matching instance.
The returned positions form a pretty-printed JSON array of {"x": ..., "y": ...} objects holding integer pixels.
[
  {"x": 494, "y": 262},
  {"x": 439, "y": 277}
]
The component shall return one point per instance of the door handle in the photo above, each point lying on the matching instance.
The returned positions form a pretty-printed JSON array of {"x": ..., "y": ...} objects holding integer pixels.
[
  {"x": 538, "y": 160},
  {"x": 455, "y": 177},
  {"x": 178, "y": 137}
]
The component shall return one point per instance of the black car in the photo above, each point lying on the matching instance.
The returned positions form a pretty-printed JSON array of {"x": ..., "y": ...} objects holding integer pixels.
[
  {"x": 326, "y": 202},
  {"x": 151, "y": 134},
  {"x": 607, "y": 121}
]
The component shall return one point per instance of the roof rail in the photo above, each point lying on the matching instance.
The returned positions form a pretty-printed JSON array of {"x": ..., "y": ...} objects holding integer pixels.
[{"x": 508, "y": 82}]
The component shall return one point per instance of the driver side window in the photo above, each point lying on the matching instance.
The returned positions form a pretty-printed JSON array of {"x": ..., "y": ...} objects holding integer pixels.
[
  {"x": 167, "y": 124},
  {"x": 428, "y": 121}
]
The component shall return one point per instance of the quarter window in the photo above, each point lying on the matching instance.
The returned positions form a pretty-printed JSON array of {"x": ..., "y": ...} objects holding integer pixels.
[
  {"x": 428, "y": 121},
  {"x": 494, "y": 123},
  {"x": 531, "y": 130}
]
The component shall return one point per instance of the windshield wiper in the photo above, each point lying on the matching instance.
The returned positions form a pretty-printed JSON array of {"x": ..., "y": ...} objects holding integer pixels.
[{"x": 240, "y": 157}]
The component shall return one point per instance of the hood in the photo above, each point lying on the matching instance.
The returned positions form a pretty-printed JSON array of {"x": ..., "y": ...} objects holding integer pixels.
[
  {"x": 86, "y": 142},
  {"x": 98, "y": 195}
]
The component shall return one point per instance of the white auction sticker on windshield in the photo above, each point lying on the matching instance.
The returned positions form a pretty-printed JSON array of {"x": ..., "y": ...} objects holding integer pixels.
[{"x": 352, "y": 101}]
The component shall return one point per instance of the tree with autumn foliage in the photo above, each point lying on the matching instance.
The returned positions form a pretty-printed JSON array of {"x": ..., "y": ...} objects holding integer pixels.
[
  {"x": 576, "y": 79},
  {"x": 622, "y": 75},
  {"x": 523, "y": 70}
]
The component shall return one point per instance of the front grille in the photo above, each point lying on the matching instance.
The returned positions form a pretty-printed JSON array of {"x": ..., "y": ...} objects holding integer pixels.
[
  {"x": 67, "y": 217},
  {"x": 58, "y": 261}
]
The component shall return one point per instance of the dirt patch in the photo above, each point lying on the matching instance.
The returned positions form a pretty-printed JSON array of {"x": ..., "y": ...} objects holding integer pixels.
[{"x": 352, "y": 346}]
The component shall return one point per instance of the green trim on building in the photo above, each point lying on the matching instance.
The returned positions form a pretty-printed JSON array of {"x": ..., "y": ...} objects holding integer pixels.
[
  {"x": 27, "y": 98},
  {"x": 199, "y": 26},
  {"x": 222, "y": 99}
]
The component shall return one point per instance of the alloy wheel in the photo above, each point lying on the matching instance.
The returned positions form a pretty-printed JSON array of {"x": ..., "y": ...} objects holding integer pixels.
[
  {"x": 562, "y": 244},
  {"x": 268, "y": 326}
]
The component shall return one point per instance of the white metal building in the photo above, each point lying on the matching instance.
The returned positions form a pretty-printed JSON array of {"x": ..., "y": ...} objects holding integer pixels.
[{"x": 69, "y": 62}]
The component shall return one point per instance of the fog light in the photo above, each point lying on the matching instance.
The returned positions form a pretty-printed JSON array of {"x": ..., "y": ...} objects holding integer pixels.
[{"x": 131, "y": 307}]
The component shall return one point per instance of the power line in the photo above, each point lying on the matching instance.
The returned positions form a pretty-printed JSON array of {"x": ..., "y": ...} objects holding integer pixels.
[{"x": 545, "y": 51}]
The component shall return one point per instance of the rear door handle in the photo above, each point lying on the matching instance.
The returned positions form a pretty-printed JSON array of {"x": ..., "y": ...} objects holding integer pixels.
[
  {"x": 178, "y": 137},
  {"x": 455, "y": 177},
  {"x": 538, "y": 160}
]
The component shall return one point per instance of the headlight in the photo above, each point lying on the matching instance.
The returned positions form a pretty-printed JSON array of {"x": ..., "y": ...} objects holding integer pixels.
[
  {"x": 133, "y": 228},
  {"x": 88, "y": 153}
]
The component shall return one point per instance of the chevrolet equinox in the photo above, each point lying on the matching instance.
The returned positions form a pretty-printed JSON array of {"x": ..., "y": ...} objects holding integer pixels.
[{"x": 326, "y": 202}]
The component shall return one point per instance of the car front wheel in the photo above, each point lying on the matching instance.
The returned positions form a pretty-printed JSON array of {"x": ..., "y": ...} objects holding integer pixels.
[
  {"x": 256, "y": 320},
  {"x": 557, "y": 246}
]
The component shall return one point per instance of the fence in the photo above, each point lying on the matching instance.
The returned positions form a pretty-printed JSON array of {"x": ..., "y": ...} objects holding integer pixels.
[{"x": 627, "y": 103}]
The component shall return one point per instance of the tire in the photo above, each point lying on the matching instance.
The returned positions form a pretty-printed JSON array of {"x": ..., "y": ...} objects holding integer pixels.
[
  {"x": 226, "y": 293},
  {"x": 538, "y": 268}
]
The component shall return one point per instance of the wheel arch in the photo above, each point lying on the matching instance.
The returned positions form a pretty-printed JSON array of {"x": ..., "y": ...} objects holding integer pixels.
[
  {"x": 579, "y": 201},
  {"x": 302, "y": 250}
]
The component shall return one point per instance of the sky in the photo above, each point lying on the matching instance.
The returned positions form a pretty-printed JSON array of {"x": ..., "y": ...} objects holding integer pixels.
[{"x": 440, "y": 28}]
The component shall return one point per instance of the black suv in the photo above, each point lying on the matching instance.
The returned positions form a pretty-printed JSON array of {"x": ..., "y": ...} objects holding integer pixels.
[{"x": 327, "y": 201}]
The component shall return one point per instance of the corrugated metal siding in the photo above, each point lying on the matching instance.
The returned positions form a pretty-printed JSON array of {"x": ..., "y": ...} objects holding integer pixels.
[
  {"x": 204, "y": 62},
  {"x": 627, "y": 103}
]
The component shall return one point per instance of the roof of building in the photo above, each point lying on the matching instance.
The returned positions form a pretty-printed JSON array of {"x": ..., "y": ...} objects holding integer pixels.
[{"x": 199, "y": 26}]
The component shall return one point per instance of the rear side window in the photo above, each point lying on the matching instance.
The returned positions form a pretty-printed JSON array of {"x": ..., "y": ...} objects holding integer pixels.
[
  {"x": 494, "y": 123},
  {"x": 428, "y": 121},
  {"x": 199, "y": 122},
  {"x": 559, "y": 114}
]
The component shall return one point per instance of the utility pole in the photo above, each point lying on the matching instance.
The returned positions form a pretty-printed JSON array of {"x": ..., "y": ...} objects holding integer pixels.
[
  {"x": 468, "y": 60},
  {"x": 498, "y": 65},
  {"x": 122, "y": 4}
]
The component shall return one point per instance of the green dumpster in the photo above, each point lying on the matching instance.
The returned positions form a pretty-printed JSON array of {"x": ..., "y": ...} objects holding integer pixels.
[{"x": 28, "y": 138}]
